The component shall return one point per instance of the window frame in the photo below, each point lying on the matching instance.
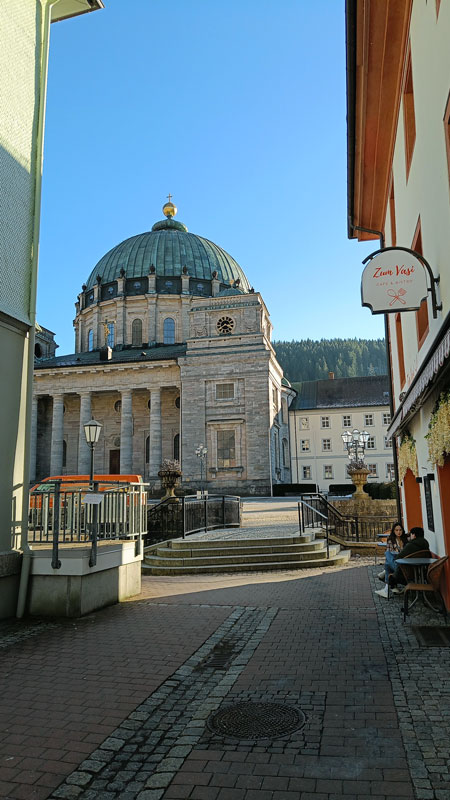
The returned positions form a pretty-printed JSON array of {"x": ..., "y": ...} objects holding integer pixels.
[
  {"x": 222, "y": 384},
  {"x": 409, "y": 114},
  {"x": 220, "y": 460},
  {"x": 344, "y": 417},
  {"x": 328, "y": 467},
  {"x": 305, "y": 449},
  {"x": 306, "y": 472},
  {"x": 372, "y": 417},
  {"x": 326, "y": 445},
  {"x": 371, "y": 443},
  {"x": 165, "y": 334},
  {"x": 326, "y": 425}
]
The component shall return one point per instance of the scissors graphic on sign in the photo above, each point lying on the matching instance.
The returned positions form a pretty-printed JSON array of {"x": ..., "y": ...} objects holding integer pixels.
[{"x": 397, "y": 296}]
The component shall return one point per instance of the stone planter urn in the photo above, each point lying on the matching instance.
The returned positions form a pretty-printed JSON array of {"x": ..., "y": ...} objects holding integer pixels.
[
  {"x": 170, "y": 474},
  {"x": 359, "y": 475}
]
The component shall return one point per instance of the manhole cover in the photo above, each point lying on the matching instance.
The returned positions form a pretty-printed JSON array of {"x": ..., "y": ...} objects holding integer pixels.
[
  {"x": 256, "y": 720},
  {"x": 432, "y": 635}
]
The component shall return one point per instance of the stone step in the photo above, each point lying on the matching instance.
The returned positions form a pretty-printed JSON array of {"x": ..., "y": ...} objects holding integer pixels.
[
  {"x": 165, "y": 559},
  {"x": 341, "y": 558},
  {"x": 191, "y": 544},
  {"x": 233, "y": 548}
]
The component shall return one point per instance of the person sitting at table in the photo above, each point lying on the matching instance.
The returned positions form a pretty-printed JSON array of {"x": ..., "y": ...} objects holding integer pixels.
[
  {"x": 416, "y": 543},
  {"x": 396, "y": 540}
]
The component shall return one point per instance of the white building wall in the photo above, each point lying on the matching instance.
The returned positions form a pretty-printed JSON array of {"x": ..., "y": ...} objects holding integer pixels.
[{"x": 317, "y": 458}]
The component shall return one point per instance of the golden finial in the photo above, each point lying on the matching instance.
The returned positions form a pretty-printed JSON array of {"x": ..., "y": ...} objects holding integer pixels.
[
  {"x": 106, "y": 331},
  {"x": 169, "y": 210}
]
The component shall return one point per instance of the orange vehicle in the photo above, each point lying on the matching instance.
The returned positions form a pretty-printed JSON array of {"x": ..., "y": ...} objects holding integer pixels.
[{"x": 77, "y": 482}]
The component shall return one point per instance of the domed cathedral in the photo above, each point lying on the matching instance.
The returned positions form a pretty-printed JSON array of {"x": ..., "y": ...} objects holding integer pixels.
[{"x": 172, "y": 350}]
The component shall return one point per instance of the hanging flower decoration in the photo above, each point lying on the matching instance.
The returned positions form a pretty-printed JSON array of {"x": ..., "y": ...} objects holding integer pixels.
[
  {"x": 407, "y": 456},
  {"x": 438, "y": 435}
]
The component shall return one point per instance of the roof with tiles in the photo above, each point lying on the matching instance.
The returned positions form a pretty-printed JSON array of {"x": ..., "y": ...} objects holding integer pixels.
[
  {"x": 133, "y": 355},
  {"x": 372, "y": 390}
]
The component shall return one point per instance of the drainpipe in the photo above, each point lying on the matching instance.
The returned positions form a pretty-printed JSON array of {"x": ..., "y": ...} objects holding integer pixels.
[
  {"x": 46, "y": 11},
  {"x": 380, "y": 234}
]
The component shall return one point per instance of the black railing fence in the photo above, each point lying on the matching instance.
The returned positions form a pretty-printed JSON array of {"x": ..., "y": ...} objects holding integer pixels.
[
  {"x": 190, "y": 514},
  {"x": 349, "y": 528},
  {"x": 309, "y": 516}
]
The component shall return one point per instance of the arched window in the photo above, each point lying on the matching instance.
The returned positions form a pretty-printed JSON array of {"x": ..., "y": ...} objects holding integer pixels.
[
  {"x": 37, "y": 350},
  {"x": 169, "y": 331},
  {"x": 176, "y": 447},
  {"x": 64, "y": 459},
  {"x": 285, "y": 453},
  {"x": 147, "y": 449},
  {"x": 136, "y": 333},
  {"x": 90, "y": 340},
  {"x": 111, "y": 334}
]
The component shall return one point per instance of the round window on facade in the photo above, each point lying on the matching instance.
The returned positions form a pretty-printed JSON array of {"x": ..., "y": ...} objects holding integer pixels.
[
  {"x": 118, "y": 405},
  {"x": 225, "y": 326}
]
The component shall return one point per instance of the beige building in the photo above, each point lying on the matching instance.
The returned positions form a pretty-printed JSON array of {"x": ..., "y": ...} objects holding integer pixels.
[
  {"x": 399, "y": 192},
  {"x": 172, "y": 350},
  {"x": 319, "y": 415},
  {"x": 25, "y": 27}
]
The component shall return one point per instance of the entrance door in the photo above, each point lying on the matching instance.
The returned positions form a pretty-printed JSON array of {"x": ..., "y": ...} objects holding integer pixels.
[
  {"x": 444, "y": 491},
  {"x": 114, "y": 462},
  {"x": 412, "y": 501}
]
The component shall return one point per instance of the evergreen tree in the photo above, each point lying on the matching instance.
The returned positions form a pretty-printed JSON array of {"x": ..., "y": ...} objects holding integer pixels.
[{"x": 308, "y": 360}]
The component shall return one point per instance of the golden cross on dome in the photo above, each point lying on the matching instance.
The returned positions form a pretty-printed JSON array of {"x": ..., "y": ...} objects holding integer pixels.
[{"x": 170, "y": 196}]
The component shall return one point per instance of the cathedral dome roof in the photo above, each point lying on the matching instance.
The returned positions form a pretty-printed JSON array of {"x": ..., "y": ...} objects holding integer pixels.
[{"x": 168, "y": 247}]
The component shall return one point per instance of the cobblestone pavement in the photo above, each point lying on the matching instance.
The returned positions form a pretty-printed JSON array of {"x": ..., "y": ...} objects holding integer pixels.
[{"x": 114, "y": 706}]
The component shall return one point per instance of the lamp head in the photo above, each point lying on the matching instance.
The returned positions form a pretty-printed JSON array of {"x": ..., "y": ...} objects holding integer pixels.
[{"x": 92, "y": 431}]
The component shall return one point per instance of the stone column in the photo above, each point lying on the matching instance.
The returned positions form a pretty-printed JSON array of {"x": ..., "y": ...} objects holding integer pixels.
[
  {"x": 155, "y": 432},
  {"x": 84, "y": 453},
  {"x": 56, "y": 451},
  {"x": 126, "y": 433},
  {"x": 33, "y": 444}
]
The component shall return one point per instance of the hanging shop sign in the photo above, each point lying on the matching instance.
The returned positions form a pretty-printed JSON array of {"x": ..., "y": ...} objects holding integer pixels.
[{"x": 393, "y": 280}]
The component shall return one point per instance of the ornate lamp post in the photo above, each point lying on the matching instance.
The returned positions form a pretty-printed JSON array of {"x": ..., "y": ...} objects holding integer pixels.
[
  {"x": 201, "y": 452},
  {"x": 92, "y": 431},
  {"x": 356, "y": 442}
]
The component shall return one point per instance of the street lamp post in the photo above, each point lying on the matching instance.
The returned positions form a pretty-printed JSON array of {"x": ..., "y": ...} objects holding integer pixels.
[
  {"x": 356, "y": 442},
  {"x": 201, "y": 452},
  {"x": 92, "y": 432}
]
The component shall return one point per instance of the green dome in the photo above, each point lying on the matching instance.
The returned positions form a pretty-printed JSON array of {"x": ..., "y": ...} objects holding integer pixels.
[{"x": 168, "y": 247}]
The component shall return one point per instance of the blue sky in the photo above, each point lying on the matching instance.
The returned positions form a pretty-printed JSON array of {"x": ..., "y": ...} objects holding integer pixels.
[{"x": 238, "y": 109}]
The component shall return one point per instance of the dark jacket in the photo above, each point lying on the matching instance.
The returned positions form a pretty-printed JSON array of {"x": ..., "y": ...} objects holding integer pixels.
[{"x": 419, "y": 543}]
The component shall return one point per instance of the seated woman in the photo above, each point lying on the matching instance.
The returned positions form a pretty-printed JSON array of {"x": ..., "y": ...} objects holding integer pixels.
[
  {"x": 397, "y": 539},
  {"x": 417, "y": 543}
]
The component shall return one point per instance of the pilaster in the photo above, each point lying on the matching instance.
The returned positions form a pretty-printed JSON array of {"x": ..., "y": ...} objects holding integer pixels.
[
  {"x": 126, "y": 433},
  {"x": 155, "y": 432},
  {"x": 56, "y": 451},
  {"x": 84, "y": 461}
]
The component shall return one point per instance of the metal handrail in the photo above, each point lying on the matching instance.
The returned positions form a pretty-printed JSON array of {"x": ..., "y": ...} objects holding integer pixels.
[{"x": 312, "y": 517}]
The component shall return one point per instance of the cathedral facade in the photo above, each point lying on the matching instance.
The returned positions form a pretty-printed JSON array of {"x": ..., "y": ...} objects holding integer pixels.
[{"x": 172, "y": 350}]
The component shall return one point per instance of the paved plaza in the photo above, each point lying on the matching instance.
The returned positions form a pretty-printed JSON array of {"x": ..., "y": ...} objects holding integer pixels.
[{"x": 115, "y": 705}]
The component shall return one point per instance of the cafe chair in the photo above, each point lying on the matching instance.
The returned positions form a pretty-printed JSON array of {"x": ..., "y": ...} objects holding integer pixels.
[
  {"x": 434, "y": 575},
  {"x": 408, "y": 572}
]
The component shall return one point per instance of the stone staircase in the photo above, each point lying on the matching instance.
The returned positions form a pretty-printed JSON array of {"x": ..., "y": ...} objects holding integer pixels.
[{"x": 245, "y": 550}]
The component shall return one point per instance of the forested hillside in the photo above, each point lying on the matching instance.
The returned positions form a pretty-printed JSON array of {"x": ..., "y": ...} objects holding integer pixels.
[{"x": 308, "y": 360}]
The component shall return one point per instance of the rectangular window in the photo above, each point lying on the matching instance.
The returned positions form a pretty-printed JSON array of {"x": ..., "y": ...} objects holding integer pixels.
[
  {"x": 422, "y": 313},
  {"x": 275, "y": 398},
  {"x": 346, "y": 420},
  {"x": 304, "y": 423},
  {"x": 224, "y": 391},
  {"x": 373, "y": 470},
  {"x": 325, "y": 422},
  {"x": 305, "y": 445},
  {"x": 386, "y": 418},
  {"x": 390, "y": 472},
  {"x": 447, "y": 132},
  {"x": 326, "y": 445},
  {"x": 284, "y": 407},
  {"x": 370, "y": 443},
  {"x": 400, "y": 353},
  {"x": 388, "y": 441},
  {"x": 306, "y": 473},
  {"x": 368, "y": 420},
  {"x": 409, "y": 117},
  {"x": 392, "y": 214},
  {"x": 226, "y": 449},
  {"x": 327, "y": 471}
]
